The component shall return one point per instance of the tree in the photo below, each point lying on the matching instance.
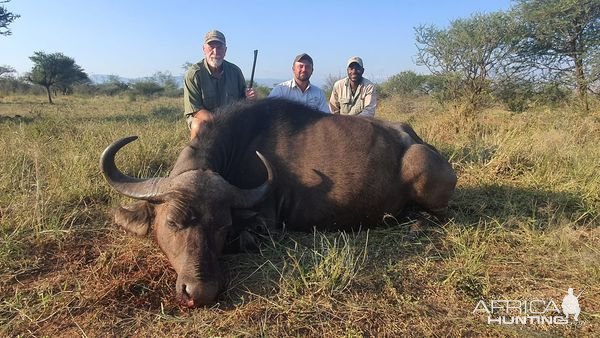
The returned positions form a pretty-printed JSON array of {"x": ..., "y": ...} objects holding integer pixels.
[
  {"x": 467, "y": 54},
  {"x": 168, "y": 82},
  {"x": 594, "y": 74},
  {"x": 71, "y": 76},
  {"x": 146, "y": 87},
  {"x": 6, "y": 18},
  {"x": 515, "y": 94},
  {"x": 407, "y": 82},
  {"x": 186, "y": 65},
  {"x": 113, "y": 86},
  {"x": 55, "y": 70},
  {"x": 330, "y": 80},
  {"x": 6, "y": 70},
  {"x": 10, "y": 85},
  {"x": 563, "y": 38}
]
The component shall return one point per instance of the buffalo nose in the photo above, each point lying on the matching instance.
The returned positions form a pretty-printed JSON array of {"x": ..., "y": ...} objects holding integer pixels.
[
  {"x": 185, "y": 298},
  {"x": 197, "y": 294}
]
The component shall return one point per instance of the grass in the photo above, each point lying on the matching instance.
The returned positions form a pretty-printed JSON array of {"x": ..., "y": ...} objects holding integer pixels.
[{"x": 524, "y": 226}]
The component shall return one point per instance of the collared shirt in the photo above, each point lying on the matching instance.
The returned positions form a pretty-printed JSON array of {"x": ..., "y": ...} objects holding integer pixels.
[
  {"x": 362, "y": 102},
  {"x": 202, "y": 90},
  {"x": 313, "y": 96}
]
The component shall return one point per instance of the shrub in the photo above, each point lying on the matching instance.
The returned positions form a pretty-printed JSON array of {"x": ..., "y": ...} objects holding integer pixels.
[
  {"x": 514, "y": 95},
  {"x": 407, "y": 82}
]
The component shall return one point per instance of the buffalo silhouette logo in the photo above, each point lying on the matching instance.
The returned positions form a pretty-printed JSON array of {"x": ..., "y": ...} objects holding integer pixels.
[{"x": 570, "y": 305}]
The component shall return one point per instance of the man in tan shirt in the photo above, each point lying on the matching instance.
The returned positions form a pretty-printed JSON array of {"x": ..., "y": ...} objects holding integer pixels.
[
  {"x": 212, "y": 83},
  {"x": 354, "y": 95}
]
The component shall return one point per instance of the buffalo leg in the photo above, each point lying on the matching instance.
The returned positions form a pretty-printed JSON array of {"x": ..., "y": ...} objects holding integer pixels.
[{"x": 430, "y": 178}]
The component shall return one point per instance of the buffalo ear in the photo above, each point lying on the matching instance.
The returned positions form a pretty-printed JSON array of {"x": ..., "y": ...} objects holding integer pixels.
[{"x": 135, "y": 218}]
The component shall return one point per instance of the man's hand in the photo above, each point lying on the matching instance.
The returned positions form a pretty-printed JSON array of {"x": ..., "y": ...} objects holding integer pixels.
[
  {"x": 200, "y": 117},
  {"x": 250, "y": 94}
]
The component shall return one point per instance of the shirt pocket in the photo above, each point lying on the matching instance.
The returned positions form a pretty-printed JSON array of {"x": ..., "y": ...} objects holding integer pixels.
[
  {"x": 313, "y": 102},
  {"x": 209, "y": 96},
  {"x": 345, "y": 105}
]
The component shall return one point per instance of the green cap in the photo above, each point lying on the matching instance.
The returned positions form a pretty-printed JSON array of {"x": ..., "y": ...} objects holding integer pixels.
[{"x": 214, "y": 35}]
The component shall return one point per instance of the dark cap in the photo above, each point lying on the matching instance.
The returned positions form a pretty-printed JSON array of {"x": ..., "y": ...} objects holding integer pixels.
[
  {"x": 304, "y": 57},
  {"x": 214, "y": 36}
]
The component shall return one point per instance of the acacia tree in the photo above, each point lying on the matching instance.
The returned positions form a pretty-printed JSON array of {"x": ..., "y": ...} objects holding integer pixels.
[
  {"x": 467, "y": 54},
  {"x": 405, "y": 83},
  {"x": 55, "y": 70},
  {"x": 70, "y": 76},
  {"x": 594, "y": 73},
  {"x": 6, "y": 18},
  {"x": 6, "y": 70},
  {"x": 562, "y": 38}
]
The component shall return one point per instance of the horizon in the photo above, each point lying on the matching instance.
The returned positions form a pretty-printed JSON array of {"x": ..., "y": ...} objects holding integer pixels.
[
  {"x": 131, "y": 45},
  {"x": 101, "y": 78}
]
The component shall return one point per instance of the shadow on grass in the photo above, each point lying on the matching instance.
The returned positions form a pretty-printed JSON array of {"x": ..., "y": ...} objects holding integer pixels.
[
  {"x": 302, "y": 263},
  {"x": 17, "y": 119},
  {"x": 167, "y": 113},
  {"x": 502, "y": 202}
]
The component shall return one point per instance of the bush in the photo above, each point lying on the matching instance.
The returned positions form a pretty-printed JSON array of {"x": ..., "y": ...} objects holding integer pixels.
[
  {"x": 85, "y": 89},
  {"x": 146, "y": 88},
  {"x": 13, "y": 85},
  {"x": 407, "y": 82},
  {"x": 112, "y": 88},
  {"x": 514, "y": 95},
  {"x": 553, "y": 94}
]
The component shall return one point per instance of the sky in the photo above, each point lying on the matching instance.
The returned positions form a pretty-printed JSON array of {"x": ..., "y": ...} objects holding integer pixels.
[{"x": 135, "y": 39}]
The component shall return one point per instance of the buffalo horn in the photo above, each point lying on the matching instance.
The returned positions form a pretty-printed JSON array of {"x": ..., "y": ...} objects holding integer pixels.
[
  {"x": 246, "y": 198},
  {"x": 144, "y": 189}
]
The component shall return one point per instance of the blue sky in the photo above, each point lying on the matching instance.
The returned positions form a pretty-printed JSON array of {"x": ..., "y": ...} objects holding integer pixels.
[{"x": 138, "y": 38}]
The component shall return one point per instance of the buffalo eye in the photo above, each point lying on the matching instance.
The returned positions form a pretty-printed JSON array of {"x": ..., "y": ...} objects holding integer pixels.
[
  {"x": 225, "y": 227},
  {"x": 174, "y": 224},
  {"x": 177, "y": 222},
  {"x": 192, "y": 218}
]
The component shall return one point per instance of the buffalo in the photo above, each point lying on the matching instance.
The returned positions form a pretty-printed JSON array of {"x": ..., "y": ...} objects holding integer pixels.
[{"x": 269, "y": 165}]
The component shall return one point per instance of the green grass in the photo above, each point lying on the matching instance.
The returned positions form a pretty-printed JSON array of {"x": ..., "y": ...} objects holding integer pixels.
[{"x": 524, "y": 226}]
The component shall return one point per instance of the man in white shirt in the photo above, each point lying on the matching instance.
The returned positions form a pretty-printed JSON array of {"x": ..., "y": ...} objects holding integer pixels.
[
  {"x": 354, "y": 95},
  {"x": 299, "y": 88}
]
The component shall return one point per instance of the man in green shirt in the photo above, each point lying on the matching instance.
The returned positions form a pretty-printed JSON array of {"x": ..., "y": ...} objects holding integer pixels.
[{"x": 211, "y": 83}]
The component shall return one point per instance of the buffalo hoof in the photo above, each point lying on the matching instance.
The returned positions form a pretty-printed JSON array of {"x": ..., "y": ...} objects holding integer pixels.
[{"x": 416, "y": 228}]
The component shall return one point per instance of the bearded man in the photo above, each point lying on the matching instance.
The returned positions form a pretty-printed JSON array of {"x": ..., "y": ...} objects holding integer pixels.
[
  {"x": 299, "y": 88},
  {"x": 211, "y": 83}
]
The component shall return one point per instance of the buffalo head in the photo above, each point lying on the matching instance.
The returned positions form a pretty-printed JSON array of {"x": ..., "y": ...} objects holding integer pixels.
[{"x": 190, "y": 214}]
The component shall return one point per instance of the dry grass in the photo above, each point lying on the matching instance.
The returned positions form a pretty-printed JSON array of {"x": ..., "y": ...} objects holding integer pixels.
[{"x": 525, "y": 226}]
